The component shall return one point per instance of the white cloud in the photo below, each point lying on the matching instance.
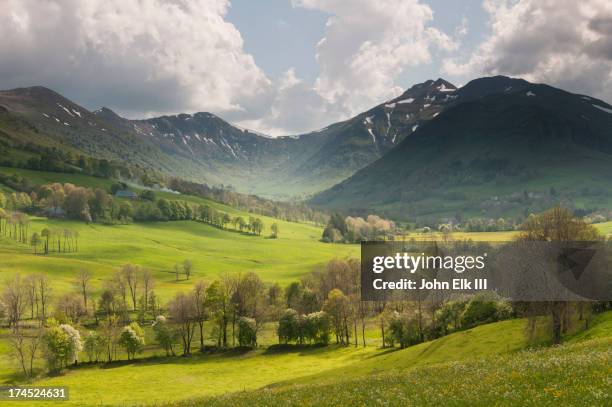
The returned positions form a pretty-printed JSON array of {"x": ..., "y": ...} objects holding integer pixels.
[
  {"x": 152, "y": 57},
  {"x": 149, "y": 56},
  {"x": 368, "y": 44},
  {"x": 296, "y": 107},
  {"x": 563, "y": 43}
]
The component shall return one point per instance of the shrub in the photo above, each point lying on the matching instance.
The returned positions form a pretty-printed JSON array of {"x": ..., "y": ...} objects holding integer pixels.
[
  {"x": 132, "y": 339},
  {"x": 247, "y": 332},
  {"x": 289, "y": 326},
  {"x": 404, "y": 329},
  {"x": 479, "y": 311},
  {"x": 94, "y": 345},
  {"x": 316, "y": 327},
  {"x": 164, "y": 334},
  {"x": 62, "y": 346}
]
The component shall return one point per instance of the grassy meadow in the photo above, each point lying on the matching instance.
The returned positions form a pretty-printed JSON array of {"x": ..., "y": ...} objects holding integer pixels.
[{"x": 474, "y": 365}]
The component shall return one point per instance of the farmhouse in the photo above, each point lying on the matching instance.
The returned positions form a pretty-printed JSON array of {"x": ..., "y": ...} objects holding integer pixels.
[{"x": 126, "y": 194}]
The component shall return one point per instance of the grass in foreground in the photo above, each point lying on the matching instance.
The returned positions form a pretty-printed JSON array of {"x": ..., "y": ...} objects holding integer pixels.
[
  {"x": 170, "y": 380},
  {"x": 575, "y": 374}
]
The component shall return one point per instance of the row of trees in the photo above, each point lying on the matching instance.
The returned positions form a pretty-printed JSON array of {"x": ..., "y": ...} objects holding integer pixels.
[
  {"x": 67, "y": 200},
  {"x": 16, "y": 226},
  {"x": 251, "y": 225},
  {"x": 355, "y": 229}
]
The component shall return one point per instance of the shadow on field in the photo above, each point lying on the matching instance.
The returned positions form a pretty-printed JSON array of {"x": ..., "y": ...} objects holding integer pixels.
[
  {"x": 384, "y": 352},
  {"x": 302, "y": 349},
  {"x": 198, "y": 356}
]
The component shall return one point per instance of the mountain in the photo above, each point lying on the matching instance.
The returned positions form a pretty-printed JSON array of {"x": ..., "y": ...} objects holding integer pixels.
[
  {"x": 350, "y": 145},
  {"x": 38, "y": 116},
  {"x": 202, "y": 147},
  {"x": 500, "y": 147}
]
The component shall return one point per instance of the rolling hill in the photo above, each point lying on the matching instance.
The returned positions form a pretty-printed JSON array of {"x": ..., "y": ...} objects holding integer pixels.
[
  {"x": 501, "y": 147},
  {"x": 477, "y": 363}
]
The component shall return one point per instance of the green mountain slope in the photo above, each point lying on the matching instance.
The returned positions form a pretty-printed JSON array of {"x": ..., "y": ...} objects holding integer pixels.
[
  {"x": 502, "y": 148},
  {"x": 202, "y": 147}
]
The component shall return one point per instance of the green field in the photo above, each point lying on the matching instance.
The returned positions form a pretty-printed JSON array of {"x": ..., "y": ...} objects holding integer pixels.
[
  {"x": 569, "y": 375},
  {"x": 158, "y": 246},
  {"x": 481, "y": 359},
  {"x": 479, "y": 362}
]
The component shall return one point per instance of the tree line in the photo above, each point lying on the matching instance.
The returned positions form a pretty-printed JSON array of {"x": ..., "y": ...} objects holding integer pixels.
[
  {"x": 356, "y": 229},
  {"x": 96, "y": 205}
]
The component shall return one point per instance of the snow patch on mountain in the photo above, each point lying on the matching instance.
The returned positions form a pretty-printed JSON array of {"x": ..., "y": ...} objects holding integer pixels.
[{"x": 605, "y": 109}]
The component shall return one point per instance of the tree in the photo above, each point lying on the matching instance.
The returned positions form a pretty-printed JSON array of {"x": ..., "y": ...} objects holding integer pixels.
[
  {"x": 44, "y": 296},
  {"x": 293, "y": 295},
  {"x": 25, "y": 349},
  {"x": 225, "y": 219},
  {"x": 29, "y": 286},
  {"x": 274, "y": 229},
  {"x": 100, "y": 204},
  {"x": 338, "y": 307},
  {"x": 70, "y": 308},
  {"x": 14, "y": 299},
  {"x": 148, "y": 282},
  {"x": 94, "y": 346},
  {"x": 46, "y": 234},
  {"x": 62, "y": 346},
  {"x": 82, "y": 280},
  {"x": 199, "y": 300},
  {"x": 132, "y": 339},
  {"x": 449, "y": 315},
  {"x": 218, "y": 296},
  {"x": 130, "y": 273},
  {"x": 316, "y": 327},
  {"x": 404, "y": 329},
  {"x": 557, "y": 224},
  {"x": 187, "y": 268},
  {"x": 109, "y": 332},
  {"x": 289, "y": 326},
  {"x": 77, "y": 203},
  {"x": 247, "y": 332},
  {"x": 35, "y": 242},
  {"x": 182, "y": 311},
  {"x": 164, "y": 334}
]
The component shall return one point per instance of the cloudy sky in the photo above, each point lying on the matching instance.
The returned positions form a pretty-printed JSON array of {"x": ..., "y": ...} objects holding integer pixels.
[{"x": 289, "y": 66}]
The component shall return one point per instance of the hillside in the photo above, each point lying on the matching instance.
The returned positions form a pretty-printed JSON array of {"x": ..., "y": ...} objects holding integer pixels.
[
  {"x": 160, "y": 245},
  {"x": 456, "y": 371},
  {"x": 502, "y": 147},
  {"x": 538, "y": 378},
  {"x": 437, "y": 363},
  {"x": 202, "y": 147}
]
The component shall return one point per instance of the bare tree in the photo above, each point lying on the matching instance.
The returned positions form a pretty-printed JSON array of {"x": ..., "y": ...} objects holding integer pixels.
[
  {"x": 187, "y": 268},
  {"x": 560, "y": 225},
  {"x": 25, "y": 349},
  {"x": 15, "y": 301},
  {"x": 83, "y": 278},
  {"x": 130, "y": 275},
  {"x": 199, "y": 299},
  {"x": 44, "y": 296},
  {"x": 147, "y": 286},
  {"x": 182, "y": 311},
  {"x": 31, "y": 294}
]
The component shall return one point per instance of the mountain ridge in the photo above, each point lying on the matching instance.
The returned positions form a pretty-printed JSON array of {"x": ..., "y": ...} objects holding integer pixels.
[
  {"x": 203, "y": 147},
  {"x": 500, "y": 140}
]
